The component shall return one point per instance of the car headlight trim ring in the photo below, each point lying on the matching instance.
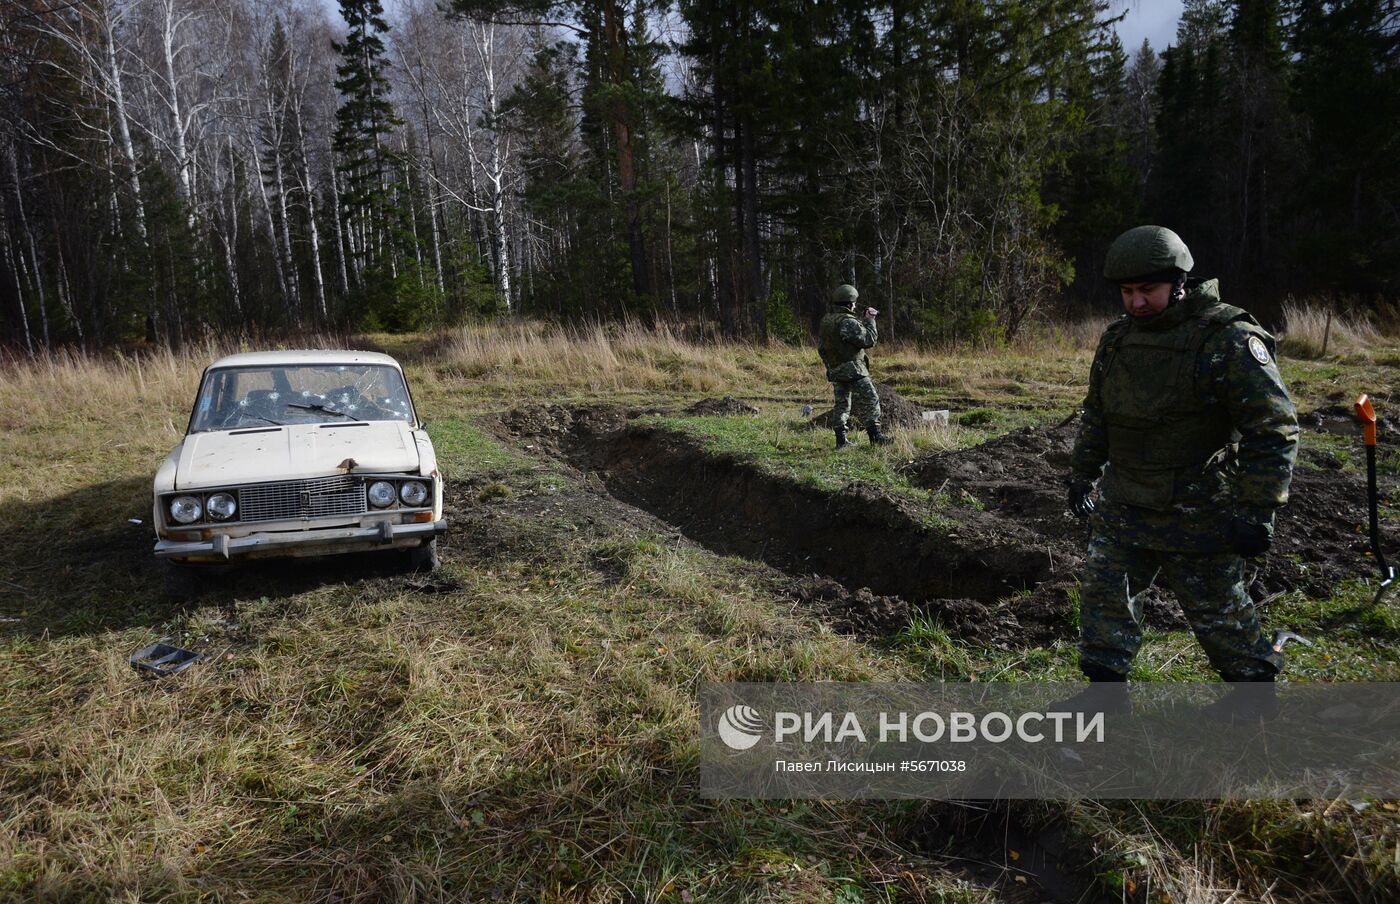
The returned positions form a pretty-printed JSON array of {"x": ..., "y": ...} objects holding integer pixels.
[
  {"x": 413, "y": 493},
  {"x": 381, "y": 494},
  {"x": 186, "y": 509}
]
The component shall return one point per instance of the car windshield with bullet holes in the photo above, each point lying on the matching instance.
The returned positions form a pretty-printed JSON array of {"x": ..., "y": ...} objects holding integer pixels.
[
  {"x": 300, "y": 453},
  {"x": 234, "y": 397}
]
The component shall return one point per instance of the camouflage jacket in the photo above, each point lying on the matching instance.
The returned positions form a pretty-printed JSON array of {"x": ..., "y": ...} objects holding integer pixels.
[
  {"x": 1188, "y": 423},
  {"x": 842, "y": 341}
]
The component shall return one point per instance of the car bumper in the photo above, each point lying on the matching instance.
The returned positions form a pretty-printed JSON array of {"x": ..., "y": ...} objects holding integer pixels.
[{"x": 319, "y": 541}]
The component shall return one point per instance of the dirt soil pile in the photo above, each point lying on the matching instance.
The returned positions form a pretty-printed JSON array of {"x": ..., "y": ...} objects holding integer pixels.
[
  {"x": 1320, "y": 534},
  {"x": 895, "y": 411},
  {"x": 1013, "y": 622},
  {"x": 727, "y": 406}
]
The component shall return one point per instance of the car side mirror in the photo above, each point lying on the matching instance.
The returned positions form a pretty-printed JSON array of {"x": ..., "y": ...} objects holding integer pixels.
[{"x": 422, "y": 425}]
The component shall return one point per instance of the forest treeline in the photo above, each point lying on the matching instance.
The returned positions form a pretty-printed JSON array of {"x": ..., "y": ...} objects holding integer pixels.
[{"x": 173, "y": 168}]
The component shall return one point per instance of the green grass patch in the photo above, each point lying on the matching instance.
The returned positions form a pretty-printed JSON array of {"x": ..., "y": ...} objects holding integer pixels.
[{"x": 787, "y": 447}]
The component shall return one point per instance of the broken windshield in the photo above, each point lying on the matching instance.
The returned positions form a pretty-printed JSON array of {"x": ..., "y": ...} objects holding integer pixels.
[{"x": 234, "y": 397}]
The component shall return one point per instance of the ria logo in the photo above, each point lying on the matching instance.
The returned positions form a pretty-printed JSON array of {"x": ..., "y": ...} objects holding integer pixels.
[{"x": 740, "y": 727}]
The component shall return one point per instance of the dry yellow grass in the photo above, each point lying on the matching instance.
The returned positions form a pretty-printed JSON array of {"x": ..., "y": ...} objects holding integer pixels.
[
  {"x": 614, "y": 357},
  {"x": 1312, "y": 330}
]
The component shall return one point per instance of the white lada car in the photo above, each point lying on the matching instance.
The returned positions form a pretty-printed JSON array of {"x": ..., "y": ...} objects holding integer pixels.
[{"x": 300, "y": 453}]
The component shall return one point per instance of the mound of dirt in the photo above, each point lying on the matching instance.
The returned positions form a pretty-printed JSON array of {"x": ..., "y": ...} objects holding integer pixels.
[
  {"x": 1035, "y": 618},
  {"x": 895, "y": 411},
  {"x": 857, "y": 612},
  {"x": 1320, "y": 536},
  {"x": 726, "y": 406},
  {"x": 546, "y": 428},
  {"x": 1020, "y": 474}
]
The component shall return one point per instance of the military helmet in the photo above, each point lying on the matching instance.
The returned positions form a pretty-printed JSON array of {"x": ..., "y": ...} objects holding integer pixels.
[
  {"x": 1144, "y": 253},
  {"x": 845, "y": 295}
]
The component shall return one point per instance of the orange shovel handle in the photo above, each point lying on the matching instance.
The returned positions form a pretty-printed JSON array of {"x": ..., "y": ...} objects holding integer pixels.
[{"x": 1367, "y": 413}]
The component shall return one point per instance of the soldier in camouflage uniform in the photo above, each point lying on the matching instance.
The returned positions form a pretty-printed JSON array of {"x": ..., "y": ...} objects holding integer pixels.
[
  {"x": 1191, "y": 436},
  {"x": 841, "y": 342}
]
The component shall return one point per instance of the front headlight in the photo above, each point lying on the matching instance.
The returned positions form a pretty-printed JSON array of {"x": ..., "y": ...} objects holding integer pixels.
[
  {"x": 222, "y": 506},
  {"x": 413, "y": 493},
  {"x": 381, "y": 494},
  {"x": 186, "y": 509}
]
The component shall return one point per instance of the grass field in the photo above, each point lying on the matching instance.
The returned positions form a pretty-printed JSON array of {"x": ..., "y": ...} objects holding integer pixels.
[{"x": 521, "y": 725}]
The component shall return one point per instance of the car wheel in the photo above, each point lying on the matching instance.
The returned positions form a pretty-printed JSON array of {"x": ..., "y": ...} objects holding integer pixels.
[
  {"x": 182, "y": 582},
  {"x": 422, "y": 558}
]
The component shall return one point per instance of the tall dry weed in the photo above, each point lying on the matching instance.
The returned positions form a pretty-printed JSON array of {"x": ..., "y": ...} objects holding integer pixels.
[
  {"x": 1315, "y": 329},
  {"x": 619, "y": 357}
]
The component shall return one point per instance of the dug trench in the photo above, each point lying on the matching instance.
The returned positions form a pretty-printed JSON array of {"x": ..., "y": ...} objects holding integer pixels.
[
  {"x": 997, "y": 571},
  {"x": 865, "y": 558}
]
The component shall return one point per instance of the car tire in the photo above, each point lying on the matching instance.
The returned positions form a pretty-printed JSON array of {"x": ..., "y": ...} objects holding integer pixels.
[{"x": 422, "y": 558}]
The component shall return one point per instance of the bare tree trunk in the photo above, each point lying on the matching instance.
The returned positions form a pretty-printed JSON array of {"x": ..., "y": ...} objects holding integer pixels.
[
  {"x": 496, "y": 172},
  {"x": 37, "y": 272},
  {"x": 432, "y": 197},
  {"x": 340, "y": 236},
  {"x": 749, "y": 234},
  {"x": 626, "y": 165},
  {"x": 12, "y": 263},
  {"x": 474, "y": 204},
  {"x": 283, "y": 238},
  {"x": 272, "y": 226},
  {"x": 114, "y": 81},
  {"x": 229, "y": 236},
  {"x": 313, "y": 228},
  {"x": 65, "y": 298},
  {"x": 301, "y": 170},
  {"x": 169, "y": 24}
]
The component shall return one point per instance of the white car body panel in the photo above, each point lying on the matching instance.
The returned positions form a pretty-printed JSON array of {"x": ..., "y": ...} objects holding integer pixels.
[{"x": 251, "y": 455}]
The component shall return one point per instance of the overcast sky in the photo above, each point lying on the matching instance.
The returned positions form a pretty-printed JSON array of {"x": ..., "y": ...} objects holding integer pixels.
[{"x": 1154, "y": 20}]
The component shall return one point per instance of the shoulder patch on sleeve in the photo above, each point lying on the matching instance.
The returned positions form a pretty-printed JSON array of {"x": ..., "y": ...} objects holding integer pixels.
[{"x": 1258, "y": 350}]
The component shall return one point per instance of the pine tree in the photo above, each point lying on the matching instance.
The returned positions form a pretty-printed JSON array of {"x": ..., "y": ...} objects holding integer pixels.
[
  {"x": 1347, "y": 91},
  {"x": 365, "y": 122}
]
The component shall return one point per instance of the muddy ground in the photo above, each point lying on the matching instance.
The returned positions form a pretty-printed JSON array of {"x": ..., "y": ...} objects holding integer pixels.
[
  {"x": 725, "y": 406},
  {"x": 1321, "y": 537},
  {"x": 867, "y": 559}
]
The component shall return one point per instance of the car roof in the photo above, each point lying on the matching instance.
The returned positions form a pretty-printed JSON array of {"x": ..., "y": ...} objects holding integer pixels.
[{"x": 302, "y": 357}]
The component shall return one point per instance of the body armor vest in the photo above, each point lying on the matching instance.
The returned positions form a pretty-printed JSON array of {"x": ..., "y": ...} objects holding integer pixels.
[
  {"x": 836, "y": 351},
  {"x": 1160, "y": 414}
]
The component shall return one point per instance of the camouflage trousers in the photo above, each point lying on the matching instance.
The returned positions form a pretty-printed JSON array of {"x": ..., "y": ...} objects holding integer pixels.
[
  {"x": 1210, "y": 588},
  {"x": 867, "y": 403}
]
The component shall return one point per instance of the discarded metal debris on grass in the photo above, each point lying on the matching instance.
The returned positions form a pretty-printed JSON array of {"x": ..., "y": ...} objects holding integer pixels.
[{"x": 161, "y": 659}]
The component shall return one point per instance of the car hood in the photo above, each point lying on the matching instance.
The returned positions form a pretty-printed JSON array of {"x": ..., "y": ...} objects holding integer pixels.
[{"x": 257, "y": 455}]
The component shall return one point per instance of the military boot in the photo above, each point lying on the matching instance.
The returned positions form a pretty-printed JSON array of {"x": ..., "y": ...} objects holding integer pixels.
[
  {"x": 841, "y": 441},
  {"x": 876, "y": 437},
  {"x": 1246, "y": 702},
  {"x": 1107, "y": 693}
]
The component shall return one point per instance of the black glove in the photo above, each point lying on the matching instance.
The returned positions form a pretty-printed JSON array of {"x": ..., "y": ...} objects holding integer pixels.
[
  {"x": 1250, "y": 537},
  {"x": 1080, "y": 498}
]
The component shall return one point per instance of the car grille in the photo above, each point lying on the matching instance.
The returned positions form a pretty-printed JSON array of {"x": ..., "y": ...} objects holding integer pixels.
[{"x": 294, "y": 499}]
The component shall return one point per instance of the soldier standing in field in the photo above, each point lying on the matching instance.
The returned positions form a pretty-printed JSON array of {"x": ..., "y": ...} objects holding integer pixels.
[
  {"x": 841, "y": 342},
  {"x": 1191, "y": 438}
]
